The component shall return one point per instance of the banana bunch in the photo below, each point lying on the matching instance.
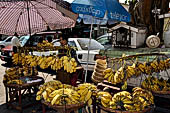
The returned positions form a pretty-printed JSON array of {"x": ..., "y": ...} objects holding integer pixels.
[
  {"x": 45, "y": 44},
  {"x": 132, "y": 70},
  {"x": 64, "y": 97},
  {"x": 142, "y": 98},
  {"x": 42, "y": 62},
  {"x": 155, "y": 84},
  {"x": 31, "y": 60},
  {"x": 16, "y": 73},
  {"x": 154, "y": 66},
  {"x": 29, "y": 71},
  {"x": 47, "y": 88},
  {"x": 69, "y": 64},
  {"x": 86, "y": 90},
  {"x": 122, "y": 101},
  {"x": 109, "y": 74},
  {"x": 104, "y": 98},
  {"x": 116, "y": 77},
  {"x": 11, "y": 74},
  {"x": 145, "y": 68},
  {"x": 19, "y": 82},
  {"x": 18, "y": 58},
  {"x": 56, "y": 64},
  {"x": 161, "y": 65},
  {"x": 125, "y": 101}
]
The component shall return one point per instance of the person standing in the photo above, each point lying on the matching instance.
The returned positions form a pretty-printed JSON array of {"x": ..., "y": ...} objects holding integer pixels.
[
  {"x": 15, "y": 43},
  {"x": 67, "y": 77}
]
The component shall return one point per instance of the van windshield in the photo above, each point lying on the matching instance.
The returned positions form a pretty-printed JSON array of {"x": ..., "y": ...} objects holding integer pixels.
[
  {"x": 23, "y": 40},
  {"x": 84, "y": 43}
]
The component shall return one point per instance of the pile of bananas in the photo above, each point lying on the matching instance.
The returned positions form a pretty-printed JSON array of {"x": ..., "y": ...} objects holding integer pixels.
[
  {"x": 19, "y": 82},
  {"x": 57, "y": 93},
  {"x": 109, "y": 74},
  {"x": 16, "y": 72},
  {"x": 44, "y": 62},
  {"x": 64, "y": 96},
  {"x": 48, "y": 88},
  {"x": 116, "y": 77},
  {"x": 124, "y": 101},
  {"x": 45, "y": 44},
  {"x": 155, "y": 84},
  {"x": 69, "y": 64},
  {"x": 55, "y": 63},
  {"x": 30, "y": 60},
  {"x": 136, "y": 69},
  {"x": 86, "y": 90},
  {"x": 142, "y": 98},
  {"x": 18, "y": 58},
  {"x": 104, "y": 98}
]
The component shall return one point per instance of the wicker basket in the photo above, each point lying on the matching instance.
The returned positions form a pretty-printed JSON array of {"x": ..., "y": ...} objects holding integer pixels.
[
  {"x": 161, "y": 92},
  {"x": 94, "y": 80},
  {"x": 64, "y": 107},
  {"x": 119, "y": 111}
]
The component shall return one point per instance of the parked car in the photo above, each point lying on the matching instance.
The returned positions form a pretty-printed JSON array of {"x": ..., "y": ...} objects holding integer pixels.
[
  {"x": 56, "y": 42},
  {"x": 5, "y": 42},
  {"x": 7, "y": 51},
  {"x": 82, "y": 45},
  {"x": 105, "y": 40}
]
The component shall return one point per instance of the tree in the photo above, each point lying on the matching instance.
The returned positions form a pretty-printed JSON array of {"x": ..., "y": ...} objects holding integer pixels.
[{"x": 142, "y": 14}]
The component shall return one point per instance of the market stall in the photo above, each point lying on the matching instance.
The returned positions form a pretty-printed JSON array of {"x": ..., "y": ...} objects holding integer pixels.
[{"x": 148, "y": 72}]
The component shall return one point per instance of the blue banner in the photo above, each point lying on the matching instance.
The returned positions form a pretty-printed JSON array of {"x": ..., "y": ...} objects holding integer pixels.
[{"x": 98, "y": 8}]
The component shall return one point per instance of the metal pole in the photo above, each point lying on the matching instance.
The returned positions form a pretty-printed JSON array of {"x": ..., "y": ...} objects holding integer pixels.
[
  {"x": 29, "y": 24},
  {"x": 89, "y": 48}
]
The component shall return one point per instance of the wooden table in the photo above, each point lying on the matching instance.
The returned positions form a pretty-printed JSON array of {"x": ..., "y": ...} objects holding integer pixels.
[{"x": 16, "y": 93}]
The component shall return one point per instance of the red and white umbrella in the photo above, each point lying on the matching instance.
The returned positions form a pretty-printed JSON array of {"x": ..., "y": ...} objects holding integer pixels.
[{"x": 31, "y": 16}]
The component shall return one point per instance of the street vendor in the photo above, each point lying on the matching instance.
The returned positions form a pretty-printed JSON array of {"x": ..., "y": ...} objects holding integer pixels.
[
  {"x": 67, "y": 77},
  {"x": 64, "y": 42}
]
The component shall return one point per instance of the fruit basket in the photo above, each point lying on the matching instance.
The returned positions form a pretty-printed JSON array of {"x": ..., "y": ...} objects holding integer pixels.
[
  {"x": 139, "y": 101},
  {"x": 63, "y": 108},
  {"x": 161, "y": 92},
  {"x": 119, "y": 111}
]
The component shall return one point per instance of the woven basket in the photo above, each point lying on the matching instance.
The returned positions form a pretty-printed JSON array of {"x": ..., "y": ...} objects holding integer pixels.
[
  {"x": 94, "y": 80},
  {"x": 119, "y": 111},
  {"x": 101, "y": 62},
  {"x": 101, "y": 67},
  {"x": 64, "y": 107},
  {"x": 161, "y": 92}
]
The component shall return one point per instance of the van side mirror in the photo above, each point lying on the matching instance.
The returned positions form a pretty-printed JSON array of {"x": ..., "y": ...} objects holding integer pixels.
[{"x": 80, "y": 56}]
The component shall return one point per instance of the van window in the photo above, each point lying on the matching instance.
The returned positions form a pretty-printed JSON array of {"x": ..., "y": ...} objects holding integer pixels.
[
  {"x": 8, "y": 39},
  {"x": 23, "y": 40},
  {"x": 71, "y": 43}
]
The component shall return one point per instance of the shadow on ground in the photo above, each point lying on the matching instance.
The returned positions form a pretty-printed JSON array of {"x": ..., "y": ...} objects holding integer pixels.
[{"x": 37, "y": 108}]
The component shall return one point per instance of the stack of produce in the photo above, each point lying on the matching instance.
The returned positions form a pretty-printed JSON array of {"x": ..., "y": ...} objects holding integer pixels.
[
  {"x": 57, "y": 93},
  {"x": 55, "y": 63},
  {"x": 155, "y": 84},
  {"x": 45, "y": 44},
  {"x": 100, "y": 66},
  {"x": 125, "y": 101},
  {"x": 12, "y": 75},
  {"x": 127, "y": 71},
  {"x": 86, "y": 90}
]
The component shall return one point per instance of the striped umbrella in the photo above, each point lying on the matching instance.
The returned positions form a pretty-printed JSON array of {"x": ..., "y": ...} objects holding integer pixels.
[{"x": 31, "y": 16}]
